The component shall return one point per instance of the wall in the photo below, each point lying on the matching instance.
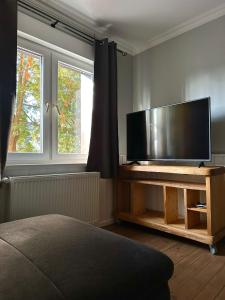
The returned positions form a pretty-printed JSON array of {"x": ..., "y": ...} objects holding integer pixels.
[
  {"x": 37, "y": 29},
  {"x": 125, "y": 97},
  {"x": 187, "y": 67},
  {"x": 41, "y": 31}
]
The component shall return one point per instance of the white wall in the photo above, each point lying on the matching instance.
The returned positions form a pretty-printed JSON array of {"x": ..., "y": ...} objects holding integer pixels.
[
  {"x": 37, "y": 29},
  {"x": 187, "y": 67},
  {"x": 41, "y": 31}
]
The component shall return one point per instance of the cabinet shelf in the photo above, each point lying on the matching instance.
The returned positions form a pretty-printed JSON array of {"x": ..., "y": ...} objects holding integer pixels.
[
  {"x": 206, "y": 225},
  {"x": 155, "y": 220},
  {"x": 198, "y": 209},
  {"x": 181, "y": 170},
  {"x": 169, "y": 183}
]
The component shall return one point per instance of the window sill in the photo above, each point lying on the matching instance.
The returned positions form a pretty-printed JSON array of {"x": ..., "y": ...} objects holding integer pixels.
[
  {"x": 44, "y": 162},
  {"x": 42, "y": 168}
]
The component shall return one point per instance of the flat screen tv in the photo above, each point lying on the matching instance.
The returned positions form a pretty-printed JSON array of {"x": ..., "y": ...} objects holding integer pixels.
[{"x": 174, "y": 132}]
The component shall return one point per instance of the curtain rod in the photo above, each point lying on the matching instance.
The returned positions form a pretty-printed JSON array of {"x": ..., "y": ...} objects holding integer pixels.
[{"x": 54, "y": 21}]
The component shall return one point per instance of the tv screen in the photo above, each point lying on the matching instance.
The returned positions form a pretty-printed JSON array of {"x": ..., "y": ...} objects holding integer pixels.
[{"x": 174, "y": 132}]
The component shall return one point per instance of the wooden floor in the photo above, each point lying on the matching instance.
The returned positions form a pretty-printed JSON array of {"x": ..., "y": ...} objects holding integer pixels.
[{"x": 197, "y": 275}]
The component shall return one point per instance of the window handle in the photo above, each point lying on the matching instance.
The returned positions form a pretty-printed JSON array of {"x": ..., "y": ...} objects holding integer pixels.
[
  {"x": 57, "y": 107},
  {"x": 47, "y": 106}
]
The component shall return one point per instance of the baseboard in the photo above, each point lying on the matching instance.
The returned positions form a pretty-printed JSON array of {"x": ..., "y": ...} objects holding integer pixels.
[{"x": 106, "y": 222}]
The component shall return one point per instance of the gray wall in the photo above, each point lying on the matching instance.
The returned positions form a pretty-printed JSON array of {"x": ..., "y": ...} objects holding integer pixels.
[
  {"x": 187, "y": 67},
  {"x": 125, "y": 95}
]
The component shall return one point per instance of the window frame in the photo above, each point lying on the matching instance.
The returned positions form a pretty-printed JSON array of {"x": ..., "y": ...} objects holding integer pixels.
[
  {"x": 50, "y": 58},
  {"x": 33, "y": 157},
  {"x": 83, "y": 67}
]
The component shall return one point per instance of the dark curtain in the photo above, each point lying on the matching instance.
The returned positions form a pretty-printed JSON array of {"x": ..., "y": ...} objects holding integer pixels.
[
  {"x": 103, "y": 153},
  {"x": 8, "y": 52}
]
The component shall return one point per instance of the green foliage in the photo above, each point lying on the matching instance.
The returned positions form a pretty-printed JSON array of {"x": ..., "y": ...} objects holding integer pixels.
[
  {"x": 26, "y": 128},
  {"x": 69, "y": 120},
  {"x": 26, "y": 125}
]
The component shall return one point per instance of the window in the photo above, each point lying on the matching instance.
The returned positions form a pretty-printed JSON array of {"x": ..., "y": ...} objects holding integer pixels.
[
  {"x": 53, "y": 107},
  {"x": 74, "y": 113},
  {"x": 26, "y": 131}
]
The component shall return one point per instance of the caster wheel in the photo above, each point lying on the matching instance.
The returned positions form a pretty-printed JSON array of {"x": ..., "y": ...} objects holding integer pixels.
[{"x": 213, "y": 249}]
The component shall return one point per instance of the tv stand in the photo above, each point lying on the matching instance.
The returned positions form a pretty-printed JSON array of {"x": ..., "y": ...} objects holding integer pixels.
[{"x": 205, "y": 225}]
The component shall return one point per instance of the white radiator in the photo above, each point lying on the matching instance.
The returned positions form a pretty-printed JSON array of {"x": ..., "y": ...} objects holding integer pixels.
[{"x": 75, "y": 195}]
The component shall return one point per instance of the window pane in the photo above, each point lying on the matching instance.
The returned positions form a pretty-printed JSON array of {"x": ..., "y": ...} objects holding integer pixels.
[
  {"x": 25, "y": 136},
  {"x": 86, "y": 111},
  {"x": 74, "y": 93}
]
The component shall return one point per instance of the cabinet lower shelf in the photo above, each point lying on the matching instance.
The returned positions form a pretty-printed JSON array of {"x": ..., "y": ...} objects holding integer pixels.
[
  {"x": 155, "y": 220},
  {"x": 200, "y": 210},
  {"x": 135, "y": 191}
]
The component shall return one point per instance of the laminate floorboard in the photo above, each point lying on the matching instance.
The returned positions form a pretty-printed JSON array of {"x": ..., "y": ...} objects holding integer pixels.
[{"x": 198, "y": 275}]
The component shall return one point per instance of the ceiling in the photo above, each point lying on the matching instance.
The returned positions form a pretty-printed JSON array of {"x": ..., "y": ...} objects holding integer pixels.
[{"x": 140, "y": 24}]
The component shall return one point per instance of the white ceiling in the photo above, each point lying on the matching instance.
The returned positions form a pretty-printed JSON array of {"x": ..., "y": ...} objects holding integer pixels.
[{"x": 140, "y": 24}]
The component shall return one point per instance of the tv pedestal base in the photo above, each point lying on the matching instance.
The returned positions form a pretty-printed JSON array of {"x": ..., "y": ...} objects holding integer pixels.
[
  {"x": 201, "y": 164},
  {"x": 205, "y": 225}
]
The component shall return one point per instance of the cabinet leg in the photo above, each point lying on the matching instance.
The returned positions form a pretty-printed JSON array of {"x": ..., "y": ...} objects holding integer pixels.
[{"x": 213, "y": 249}]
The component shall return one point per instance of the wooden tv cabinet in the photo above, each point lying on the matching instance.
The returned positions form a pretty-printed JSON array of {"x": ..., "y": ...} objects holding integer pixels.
[{"x": 206, "y": 225}]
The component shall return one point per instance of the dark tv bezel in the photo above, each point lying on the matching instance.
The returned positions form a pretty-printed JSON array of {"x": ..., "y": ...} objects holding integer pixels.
[{"x": 180, "y": 159}]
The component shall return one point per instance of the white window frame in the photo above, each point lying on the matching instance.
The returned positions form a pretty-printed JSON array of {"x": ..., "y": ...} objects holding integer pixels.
[
  {"x": 76, "y": 64},
  {"x": 49, "y": 84},
  {"x": 46, "y": 59}
]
